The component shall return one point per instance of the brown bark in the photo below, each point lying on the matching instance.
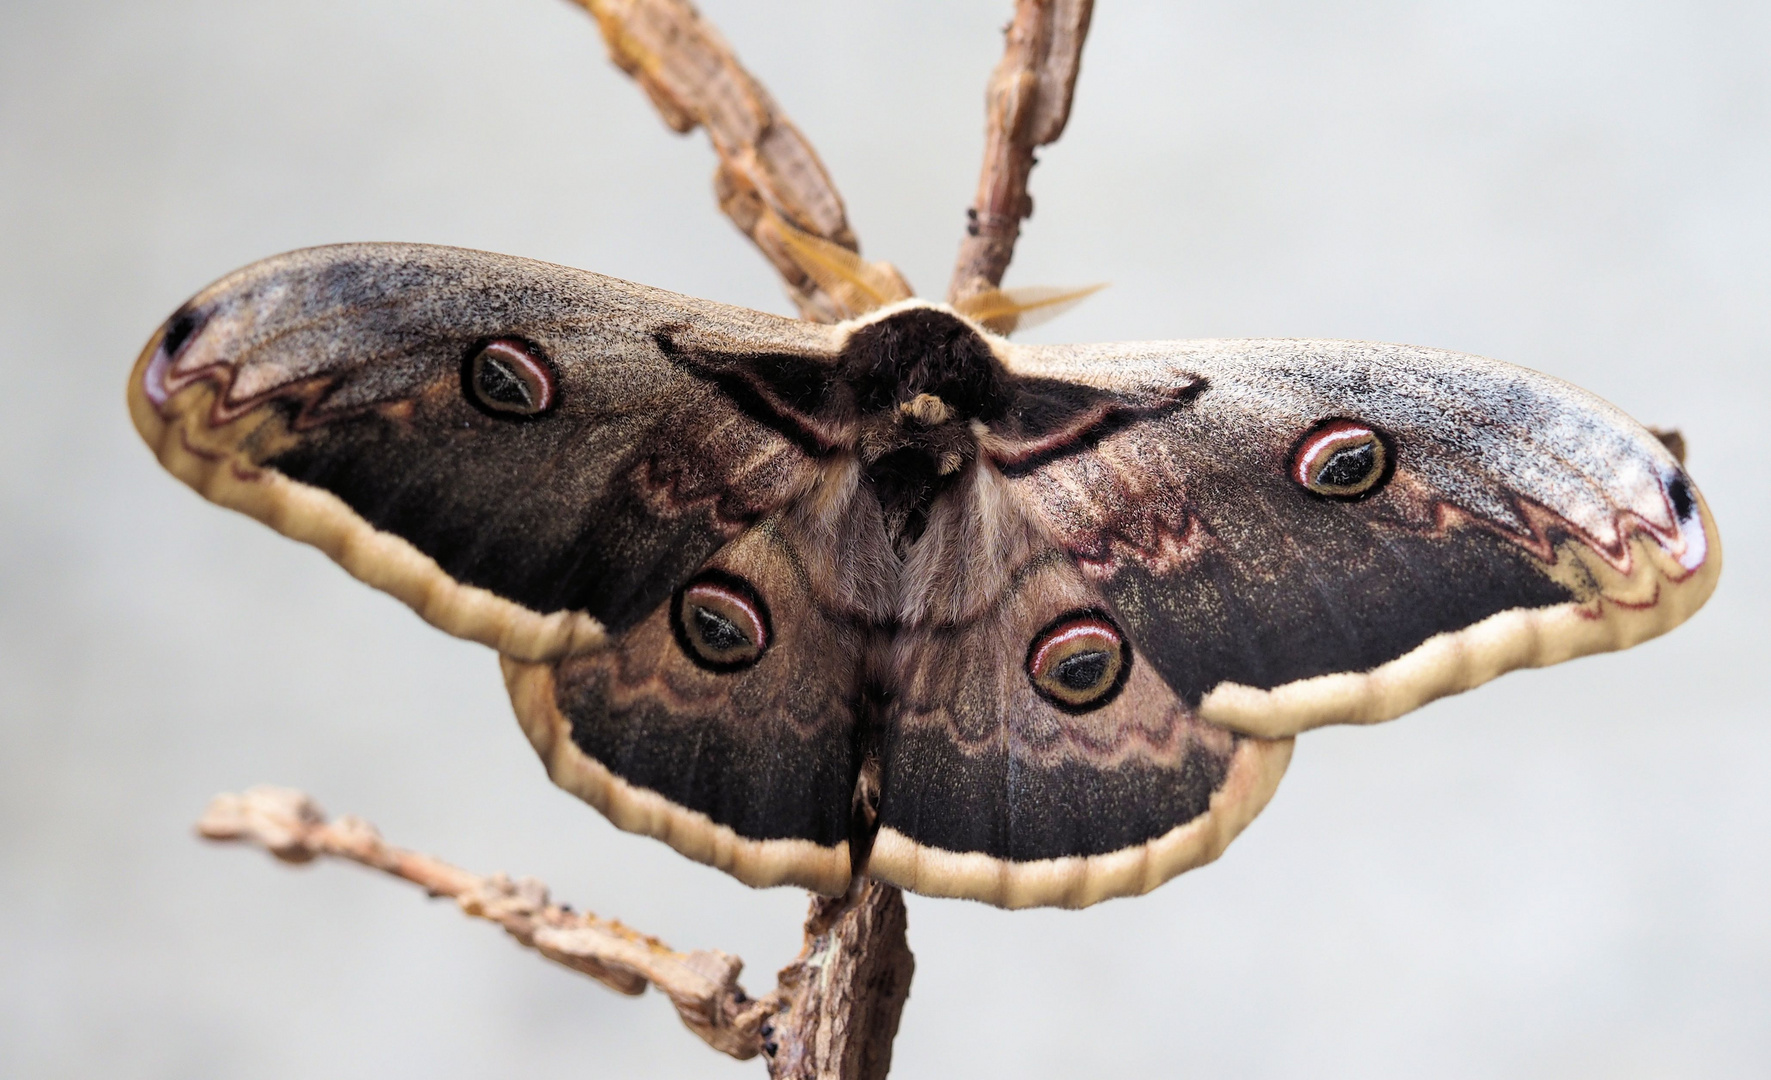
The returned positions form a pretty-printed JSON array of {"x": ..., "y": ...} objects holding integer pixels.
[
  {"x": 832, "y": 1016},
  {"x": 1028, "y": 103},
  {"x": 840, "y": 1001},
  {"x": 703, "y": 985},
  {"x": 768, "y": 172}
]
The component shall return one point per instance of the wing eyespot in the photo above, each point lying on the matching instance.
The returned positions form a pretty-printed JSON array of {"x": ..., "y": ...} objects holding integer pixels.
[
  {"x": 1678, "y": 491},
  {"x": 1079, "y": 662},
  {"x": 720, "y": 622},
  {"x": 180, "y": 329},
  {"x": 508, "y": 377},
  {"x": 1687, "y": 521},
  {"x": 1343, "y": 459}
]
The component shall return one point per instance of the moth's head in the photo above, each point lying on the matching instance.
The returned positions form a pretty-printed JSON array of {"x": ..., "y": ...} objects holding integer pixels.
[
  {"x": 923, "y": 362},
  {"x": 922, "y": 378}
]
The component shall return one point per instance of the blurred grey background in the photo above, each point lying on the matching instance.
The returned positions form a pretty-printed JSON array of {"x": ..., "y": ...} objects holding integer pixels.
[{"x": 1565, "y": 873}]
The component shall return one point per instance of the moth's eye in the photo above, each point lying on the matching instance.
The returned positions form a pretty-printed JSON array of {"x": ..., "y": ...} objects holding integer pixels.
[
  {"x": 720, "y": 622},
  {"x": 1079, "y": 662},
  {"x": 509, "y": 377},
  {"x": 1342, "y": 459}
]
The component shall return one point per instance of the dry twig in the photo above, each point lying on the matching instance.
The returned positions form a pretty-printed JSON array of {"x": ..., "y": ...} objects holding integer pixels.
[
  {"x": 703, "y": 985},
  {"x": 768, "y": 172},
  {"x": 840, "y": 1000},
  {"x": 1029, "y": 103},
  {"x": 833, "y": 1015}
]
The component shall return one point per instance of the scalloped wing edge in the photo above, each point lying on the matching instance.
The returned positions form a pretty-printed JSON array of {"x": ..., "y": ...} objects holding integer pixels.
[
  {"x": 1652, "y": 597},
  {"x": 634, "y": 809},
  {"x": 1078, "y": 881},
  {"x": 205, "y": 459}
]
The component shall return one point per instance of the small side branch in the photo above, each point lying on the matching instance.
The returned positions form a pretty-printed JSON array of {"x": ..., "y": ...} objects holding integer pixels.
[
  {"x": 703, "y": 985},
  {"x": 1029, "y": 103},
  {"x": 832, "y": 1017},
  {"x": 768, "y": 173}
]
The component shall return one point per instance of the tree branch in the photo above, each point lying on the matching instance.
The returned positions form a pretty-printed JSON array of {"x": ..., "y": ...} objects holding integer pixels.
[
  {"x": 703, "y": 985},
  {"x": 833, "y": 1014},
  {"x": 1028, "y": 103},
  {"x": 768, "y": 172},
  {"x": 840, "y": 1000}
]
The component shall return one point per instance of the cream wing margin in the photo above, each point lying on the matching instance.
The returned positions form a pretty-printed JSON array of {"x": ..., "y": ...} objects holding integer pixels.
[
  {"x": 1653, "y": 596},
  {"x": 207, "y": 458},
  {"x": 758, "y": 863},
  {"x": 1081, "y": 880}
]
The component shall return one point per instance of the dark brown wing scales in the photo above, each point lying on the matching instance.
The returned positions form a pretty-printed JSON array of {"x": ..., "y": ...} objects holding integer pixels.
[
  {"x": 724, "y": 722},
  {"x": 979, "y": 761},
  {"x": 596, "y": 514},
  {"x": 1288, "y": 590},
  {"x": 1337, "y": 532},
  {"x": 1007, "y": 776},
  {"x": 516, "y": 422},
  {"x": 1262, "y": 569}
]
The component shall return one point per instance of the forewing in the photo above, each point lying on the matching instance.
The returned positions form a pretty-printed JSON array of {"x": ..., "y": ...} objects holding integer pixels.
[
  {"x": 328, "y": 393},
  {"x": 1523, "y": 522}
]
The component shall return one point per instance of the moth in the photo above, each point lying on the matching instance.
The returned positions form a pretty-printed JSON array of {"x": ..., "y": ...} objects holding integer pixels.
[{"x": 1028, "y": 624}]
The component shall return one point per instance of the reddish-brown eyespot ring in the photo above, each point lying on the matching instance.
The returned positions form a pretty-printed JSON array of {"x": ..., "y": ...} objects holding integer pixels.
[
  {"x": 720, "y": 622},
  {"x": 1342, "y": 459},
  {"x": 509, "y": 377},
  {"x": 1079, "y": 662}
]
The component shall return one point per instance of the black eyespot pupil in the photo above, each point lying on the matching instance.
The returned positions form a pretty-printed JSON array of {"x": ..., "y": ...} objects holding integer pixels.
[
  {"x": 717, "y": 632},
  {"x": 179, "y": 331},
  {"x": 1683, "y": 503},
  {"x": 1082, "y": 671},
  {"x": 499, "y": 382},
  {"x": 1349, "y": 466}
]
